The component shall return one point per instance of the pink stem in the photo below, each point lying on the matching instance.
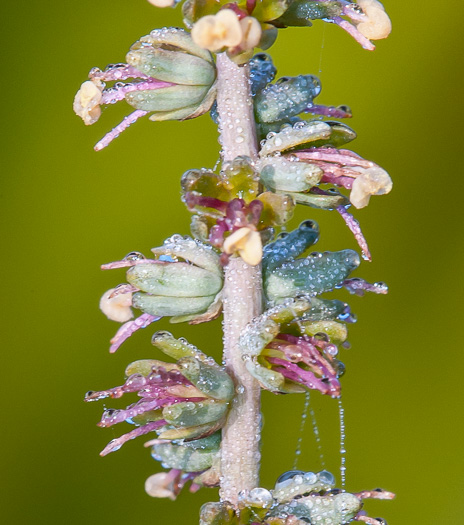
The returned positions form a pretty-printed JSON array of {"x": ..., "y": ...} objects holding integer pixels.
[
  {"x": 353, "y": 225},
  {"x": 116, "y": 444},
  {"x": 358, "y": 286},
  {"x": 351, "y": 30},
  {"x": 117, "y": 93},
  {"x": 127, "y": 329},
  {"x": 339, "y": 156},
  {"x": 327, "y": 111},
  {"x": 116, "y": 72},
  {"x": 114, "y": 133},
  {"x": 375, "y": 494},
  {"x": 128, "y": 262}
]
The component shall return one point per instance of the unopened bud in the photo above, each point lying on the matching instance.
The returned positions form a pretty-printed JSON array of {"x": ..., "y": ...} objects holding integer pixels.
[
  {"x": 118, "y": 307},
  {"x": 372, "y": 181},
  {"x": 87, "y": 102},
  {"x": 378, "y": 24}
]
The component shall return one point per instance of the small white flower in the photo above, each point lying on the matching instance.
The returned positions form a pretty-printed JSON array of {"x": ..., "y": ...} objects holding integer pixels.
[
  {"x": 87, "y": 101},
  {"x": 160, "y": 485},
  {"x": 117, "y": 308},
  {"x": 215, "y": 32},
  {"x": 378, "y": 24},
  {"x": 371, "y": 181},
  {"x": 247, "y": 243}
]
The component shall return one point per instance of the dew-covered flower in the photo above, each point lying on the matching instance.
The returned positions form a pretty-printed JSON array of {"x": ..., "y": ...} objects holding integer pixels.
[
  {"x": 183, "y": 282},
  {"x": 298, "y": 158},
  {"x": 230, "y": 213},
  {"x": 298, "y": 498},
  {"x": 364, "y": 20},
  {"x": 172, "y": 79},
  {"x": 284, "y": 363},
  {"x": 186, "y": 400}
]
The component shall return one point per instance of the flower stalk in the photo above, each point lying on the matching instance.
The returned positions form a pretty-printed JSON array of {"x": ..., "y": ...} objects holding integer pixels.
[{"x": 243, "y": 296}]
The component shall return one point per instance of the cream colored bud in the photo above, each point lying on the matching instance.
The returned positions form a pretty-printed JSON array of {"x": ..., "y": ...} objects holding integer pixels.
[
  {"x": 117, "y": 308},
  {"x": 247, "y": 243},
  {"x": 87, "y": 102},
  {"x": 160, "y": 486},
  {"x": 372, "y": 181},
  {"x": 251, "y": 32},
  {"x": 378, "y": 24},
  {"x": 215, "y": 32},
  {"x": 162, "y": 3}
]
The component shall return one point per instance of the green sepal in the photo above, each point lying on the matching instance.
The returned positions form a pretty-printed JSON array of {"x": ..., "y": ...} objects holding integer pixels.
[
  {"x": 213, "y": 312},
  {"x": 268, "y": 10},
  {"x": 174, "y": 279},
  {"x": 287, "y": 174},
  {"x": 318, "y": 273},
  {"x": 191, "y": 250},
  {"x": 340, "y": 135},
  {"x": 277, "y": 209},
  {"x": 175, "y": 348},
  {"x": 189, "y": 433},
  {"x": 301, "y": 12},
  {"x": 240, "y": 179},
  {"x": 204, "y": 182},
  {"x": 332, "y": 200},
  {"x": 288, "y": 97},
  {"x": 302, "y": 135},
  {"x": 191, "y": 456},
  {"x": 145, "y": 367},
  {"x": 163, "y": 306},
  {"x": 147, "y": 417},
  {"x": 200, "y": 227},
  {"x": 218, "y": 514},
  {"x": 336, "y": 332},
  {"x": 172, "y": 66},
  {"x": 325, "y": 309},
  {"x": 189, "y": 414},
  {"x": 288, "y": 246},
  {"x": 168, "y": 99},
  {"x": 208, "y": 378},
  {"x": 174, "y": 38}
]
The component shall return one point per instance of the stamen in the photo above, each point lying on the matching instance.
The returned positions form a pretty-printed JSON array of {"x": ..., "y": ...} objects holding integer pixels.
[
  {"x": 353, "y": 225},
  {"x": 127, "y": 329},
  {"x": 114, "y": 133},
  {"x": 351, "y": 30},
  {"x": 116, "y": 444}
]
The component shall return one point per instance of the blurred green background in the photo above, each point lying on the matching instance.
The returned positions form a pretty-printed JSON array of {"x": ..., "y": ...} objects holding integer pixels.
[{"x": 66, "y": 209}]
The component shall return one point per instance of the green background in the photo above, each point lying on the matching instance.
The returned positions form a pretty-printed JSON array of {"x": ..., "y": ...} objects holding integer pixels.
[{"x": 66, "y": 209}]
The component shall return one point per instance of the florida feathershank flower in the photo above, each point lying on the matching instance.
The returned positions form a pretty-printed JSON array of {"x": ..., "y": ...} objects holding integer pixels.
[
  {"x": 186, "y": 400},
  {"x": 184, "y": 283},
  {"x": 172, "y": 79}
]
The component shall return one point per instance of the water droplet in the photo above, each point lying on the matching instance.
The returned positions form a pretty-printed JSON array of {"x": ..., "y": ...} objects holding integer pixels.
[{"x": 134, "y": 256}]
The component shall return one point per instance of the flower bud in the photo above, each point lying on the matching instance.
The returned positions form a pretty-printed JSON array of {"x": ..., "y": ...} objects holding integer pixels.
[
  {"x": 371, "y": 181},
  {"x": 247, "y": 243},
  {"x": 87, "y": 102},
  {"x": 378, "y": 24},
  {"x": 117, "y": 307}
]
